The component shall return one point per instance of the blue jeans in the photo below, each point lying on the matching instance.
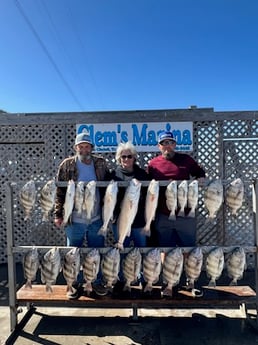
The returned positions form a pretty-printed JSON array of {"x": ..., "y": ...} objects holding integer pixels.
[
  {"x": 76, "y": 233},
  {"x": 136, "y": 236},
  {"x": 179, "y": 232}
]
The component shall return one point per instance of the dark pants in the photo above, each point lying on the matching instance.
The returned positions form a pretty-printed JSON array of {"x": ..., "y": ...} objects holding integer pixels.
[{"x": 180, "y": 232}]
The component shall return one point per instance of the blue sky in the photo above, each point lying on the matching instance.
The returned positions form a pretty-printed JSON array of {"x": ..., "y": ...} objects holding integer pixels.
[{"x": 104, "y": 55}]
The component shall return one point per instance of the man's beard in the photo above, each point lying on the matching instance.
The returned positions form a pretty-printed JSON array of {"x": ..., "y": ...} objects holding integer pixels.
[
  {"x": 84, "y": 157},
  {"x": 168, "y": 155}
]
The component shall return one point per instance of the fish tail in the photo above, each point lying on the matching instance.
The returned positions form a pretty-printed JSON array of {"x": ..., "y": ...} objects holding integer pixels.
[
  {"x": 119, "y": 245},
  {"x": 191, "y": 214},
  {"x": 28, "y": 285},
  {"x": 168, "y": 291},
  {"x": 49, "y": 288},
  {"x": 45, "y": 217},
  {"x": 172, "y": 216},
  {"x": 233, "y": 282},
  {"x": 212, "y": 283},
  {"x": 148, "y": 288},
  {"x": 146, "y": 231},
  {"x": 102, "y": 231},
  {"x": 181, "y": 213}
]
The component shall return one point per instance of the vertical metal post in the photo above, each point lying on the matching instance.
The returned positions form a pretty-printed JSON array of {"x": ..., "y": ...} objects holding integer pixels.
[
  {"x": 10, "y": 257},
  {"x": 255, "y": 219}
]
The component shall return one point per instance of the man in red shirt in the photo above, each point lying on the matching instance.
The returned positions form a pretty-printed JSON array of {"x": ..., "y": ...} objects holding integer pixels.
[{"x": 171, "y": 165}]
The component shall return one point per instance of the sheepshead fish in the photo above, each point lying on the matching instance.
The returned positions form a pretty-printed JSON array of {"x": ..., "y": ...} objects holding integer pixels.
[
  {"x": 128, "y": 212},
  {"x": 109, "y": 206},
  {"x": 171, "y": 199},
  {"x": 235, "y": 264},
  {"x": 182, "y": 192},
  {"x": 79, "y": 197},
  {"x": 28, "y": 198},
  {"x": 214, "y": 265},
  {"x": 213, "y": 197},
  {"x": 193, "y": 266},
  {"x": 131, "y": 267},
  {"x": 151, "y": 205},
  {"x": 50, "y": 268},
  {"x": 71, "y": 268},
  {"x": 192, "y": 198},
  {"x": 234, "y": 195},
  {"x": 91, "y": 266},
  {"x": 110, "y": 266},
  {"x": 151, "y": 268},
  {"x": 89, "y": 198},
  {"x": 69, "y": 201},
  {"x": 47, "y": 199},
  {"x": 30, "y": 266},
  {"x": 172, "y": 269}
]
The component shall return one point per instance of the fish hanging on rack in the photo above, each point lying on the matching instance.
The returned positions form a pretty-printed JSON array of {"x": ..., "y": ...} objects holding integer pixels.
[
  {"x": 90, "y": 198},
  {"x": 171, "y": 199},
  {"x": 28, "y": 198},
  {"x": 213, "y": 197},
  {"x": 151, "y": 268},
  {"x": 236, "y": 264},
  {"x": 192, "y": 198},
  {"x": 91, "y": 266},
  {"x": 151, "y": 205},
  {"x": 182, "y": 193},
  {"x": 30, "y": 266},
  {"x": 110, "y": 199},
  {"x": 110, "y": 265},
  {"x": 193, "y": 266},
  {"x": 50, "y": 267},
  {"x": 128, "y": 212},
  {"x": 214, "y": 265},
  {"x": 79, "y": 197},
  {"x": 71, "y": 269},
  {"x": 131, "y": 267},
  {"x": 47, "y": 199},
  {"x": 172, "y": 269},
  {"x": 234, "y": 195},
  {"x": 69, "y": 201}
]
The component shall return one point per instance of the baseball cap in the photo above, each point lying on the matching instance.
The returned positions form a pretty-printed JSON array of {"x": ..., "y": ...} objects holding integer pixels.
[
  {"x": 83, "y": 138},
  {"x": 165, "y": 135}
]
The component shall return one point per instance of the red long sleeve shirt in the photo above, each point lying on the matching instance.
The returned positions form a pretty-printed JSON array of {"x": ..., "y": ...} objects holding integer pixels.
[{"x": 180, "y": 167}]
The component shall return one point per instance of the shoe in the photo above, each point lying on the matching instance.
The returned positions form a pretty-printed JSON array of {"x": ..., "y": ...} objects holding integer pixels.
[{"x": 100, "y": 290}]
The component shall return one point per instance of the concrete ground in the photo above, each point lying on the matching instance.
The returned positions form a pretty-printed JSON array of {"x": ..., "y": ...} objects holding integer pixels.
[{"x": 64, "y": 325}]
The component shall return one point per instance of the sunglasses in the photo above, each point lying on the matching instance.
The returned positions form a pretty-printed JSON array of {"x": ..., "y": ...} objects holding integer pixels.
[
  {"x": 128, "y": 156},
  {"x": 167, "y": 142}
]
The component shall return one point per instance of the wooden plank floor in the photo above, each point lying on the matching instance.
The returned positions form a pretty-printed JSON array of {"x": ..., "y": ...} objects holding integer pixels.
[{"x": 210, "y": 297}]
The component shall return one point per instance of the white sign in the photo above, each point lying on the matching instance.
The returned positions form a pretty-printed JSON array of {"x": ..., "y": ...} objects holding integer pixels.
[{"x": 107, "y": 136}]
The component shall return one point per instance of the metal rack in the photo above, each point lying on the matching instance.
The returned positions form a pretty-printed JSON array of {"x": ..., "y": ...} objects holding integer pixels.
[{"x": 30, "y": 301}]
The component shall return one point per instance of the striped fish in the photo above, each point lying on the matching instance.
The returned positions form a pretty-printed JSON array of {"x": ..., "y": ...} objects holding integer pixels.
[
  {"x": 91, "y": 266},
  {"x": 172, "y": 269},
  {"x": 47, "y": 199},
  {"x": 131, "y": 267},
  {"x": 28, "y": 198},
  {"x": 193, "y": 266},
  {"x": 50, "y": 268},
  {"x": 151, "y": 268},
  {"x": 110, "y": 266},
  {"x": 30, "y": 266}
]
